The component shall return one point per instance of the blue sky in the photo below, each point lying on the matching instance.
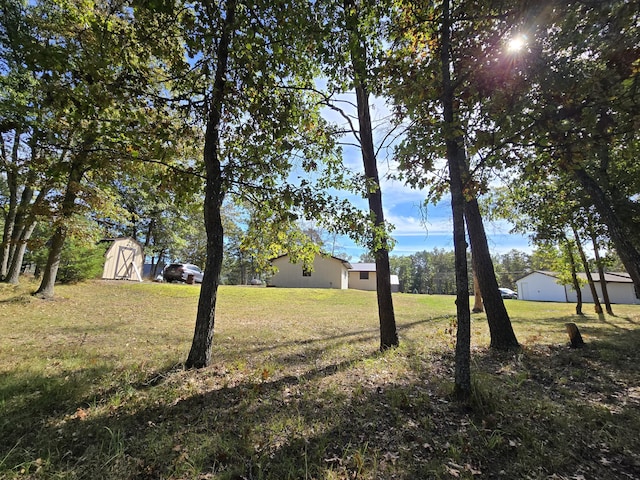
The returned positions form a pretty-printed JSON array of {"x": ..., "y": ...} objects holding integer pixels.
[
  {"x": 404, "y": 207},
  {"x": 413, "y": 233}
]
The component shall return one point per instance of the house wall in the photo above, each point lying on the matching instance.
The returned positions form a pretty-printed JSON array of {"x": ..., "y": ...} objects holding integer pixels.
[
  {"x": 540, "y": 287},
  {"x": 114, "y": 268},
  {"x": 358, "y": 284},
  {"x": 327, "y": 272}
]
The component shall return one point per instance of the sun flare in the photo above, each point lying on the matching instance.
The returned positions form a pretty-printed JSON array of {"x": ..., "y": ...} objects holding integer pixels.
[{"x": 516, "y": 44}]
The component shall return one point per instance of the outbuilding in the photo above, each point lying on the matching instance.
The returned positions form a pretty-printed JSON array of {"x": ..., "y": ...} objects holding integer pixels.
[
  {"x": 545, "y": 286},
  {"x": 124, "y": 259}
]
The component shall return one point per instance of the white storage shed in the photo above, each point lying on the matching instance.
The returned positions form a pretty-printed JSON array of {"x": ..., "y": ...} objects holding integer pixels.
[{"x": 124, "y": 259}]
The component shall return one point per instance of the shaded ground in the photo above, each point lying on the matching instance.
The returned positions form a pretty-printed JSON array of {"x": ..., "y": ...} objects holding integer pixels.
[{"x": 327, "y": 405}]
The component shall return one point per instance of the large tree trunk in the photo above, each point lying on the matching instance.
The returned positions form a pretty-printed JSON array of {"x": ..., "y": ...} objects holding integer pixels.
[
  {"x": 200, "y": 353},
  {"x": 388, "y": 331},
  {"x": 583, "y": 258},
  {"x": 500, "y": 328},
  {"x": 454, "y": 154},
  {"x": 620, "y": 235},
  {"x": 50, "y": 272},
  {"x": 46, "y": 288}
]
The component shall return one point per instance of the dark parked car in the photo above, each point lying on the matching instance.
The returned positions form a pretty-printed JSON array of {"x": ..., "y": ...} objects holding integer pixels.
[
  {"x": 179, "y": 272},
  {"x": 508, "y": 293}
]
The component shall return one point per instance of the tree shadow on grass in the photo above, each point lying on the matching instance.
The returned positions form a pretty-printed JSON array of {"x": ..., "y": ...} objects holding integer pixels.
[
  {"x": 338, "y": 420},
  {"x": 220, "y": 421},
  {"x": 238, "y": 422},
  {"x": 361, "y": 336}
]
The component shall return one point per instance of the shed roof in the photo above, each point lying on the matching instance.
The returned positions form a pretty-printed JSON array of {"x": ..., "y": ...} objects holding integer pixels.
[{"x": 609, "y": 277}]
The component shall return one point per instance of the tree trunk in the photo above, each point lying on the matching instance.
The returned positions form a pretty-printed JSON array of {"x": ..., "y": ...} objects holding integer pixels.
[
  {"x": 478, "y": 307},
  {"x": 454, "y": 152},
  {"x": 583, "y": 258},
  {"x": 13, "y": 274},
  {"x": 25, "y": 224},
  {"x": 574, "y": 275},
  {"x": 11, "y": 172},
  {"x": 620, "y": 235},
  {"x": 9, "y": 222},
  {"x": 574, "y": 335},
  {"x": 601, "y": 274},
  {"x": 388, "y": 331},
  {"x": 500, "y": 328},
  {"x": 46, "y": 288},
  {"x": 200, "y": 353}
]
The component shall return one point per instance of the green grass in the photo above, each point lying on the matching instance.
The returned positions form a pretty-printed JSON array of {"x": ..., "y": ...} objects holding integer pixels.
[{"x": 91, "y": 386}]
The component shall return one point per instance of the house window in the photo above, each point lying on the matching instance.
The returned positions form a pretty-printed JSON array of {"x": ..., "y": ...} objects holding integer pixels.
[
  {"x": 364, "y": 275},
  {"x": 306, "y": 272}
]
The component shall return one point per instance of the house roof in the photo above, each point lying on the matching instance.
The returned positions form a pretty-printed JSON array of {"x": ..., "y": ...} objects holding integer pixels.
[
  {"x": 324, "y": 255},
  {"x": 363, "y": 267},
  {"x": 609, "y": 277}
]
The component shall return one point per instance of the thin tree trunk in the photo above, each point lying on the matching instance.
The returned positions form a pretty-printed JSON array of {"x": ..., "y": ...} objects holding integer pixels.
[
  {"x": 454, "y": 152},
  {"x": 25, "y": 224},
  {"x": 13, "y": 274},
  {"x": 601, "y": 274},
  {"x": 478, "y": 307},
  {"x": 388, "y": 331},
  {"x": 583, "y": 258},
  {"x": 9, "y": 221},
  {"x": 620, "y": 235},
  {"x": 574, "y": 275},
  {"x": 147, "y": 242},
  {"x": 200, "y": 353},
  {"x": 9, "y": 224}
]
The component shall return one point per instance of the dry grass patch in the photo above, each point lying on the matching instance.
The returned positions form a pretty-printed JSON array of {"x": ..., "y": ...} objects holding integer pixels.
[{"x": 91, "y": 386}]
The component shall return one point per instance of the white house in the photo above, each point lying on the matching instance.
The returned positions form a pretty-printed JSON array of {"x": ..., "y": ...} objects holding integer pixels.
[
  {"x": 362, "y": 276},
  {"x": 327, "y": 272},
  {"x": 544, "y": 287},
  {"x": 123, "y": 259}
]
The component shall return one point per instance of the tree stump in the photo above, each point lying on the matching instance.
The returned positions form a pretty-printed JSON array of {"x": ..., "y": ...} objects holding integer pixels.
[{"x": 574, "y": 335}]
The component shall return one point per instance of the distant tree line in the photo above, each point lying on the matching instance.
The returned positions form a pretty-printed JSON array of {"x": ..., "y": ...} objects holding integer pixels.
[{"x": 433, "y": 272}]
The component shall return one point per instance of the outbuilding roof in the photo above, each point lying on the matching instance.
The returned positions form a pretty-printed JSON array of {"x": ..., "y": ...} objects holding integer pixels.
[{"x": 609, "y": 277}]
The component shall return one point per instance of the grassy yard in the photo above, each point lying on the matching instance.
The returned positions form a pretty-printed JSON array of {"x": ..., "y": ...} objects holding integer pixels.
[{"x": 91, "y": 387}]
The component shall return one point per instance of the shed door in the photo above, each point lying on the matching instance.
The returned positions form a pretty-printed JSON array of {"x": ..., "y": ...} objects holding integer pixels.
[{"x": 124, "y": 263}]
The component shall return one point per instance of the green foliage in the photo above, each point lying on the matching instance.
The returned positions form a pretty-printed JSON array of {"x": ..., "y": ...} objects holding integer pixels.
[
  {"x": 82, "y": 256},
  {"x": 510, "y": 267},
  {"x": 80, "y": 261},
  {"x": 426, "y": 272}
]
